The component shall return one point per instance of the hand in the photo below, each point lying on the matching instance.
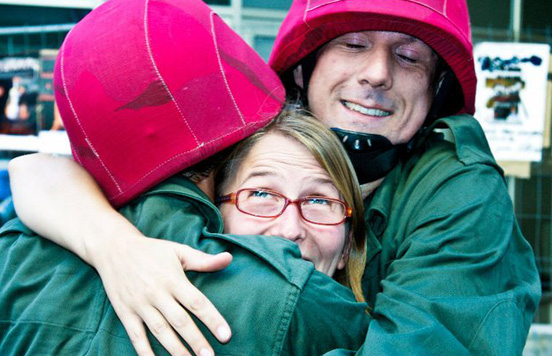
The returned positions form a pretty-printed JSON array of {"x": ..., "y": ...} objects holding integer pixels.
[{"x": 145, "y": 281}]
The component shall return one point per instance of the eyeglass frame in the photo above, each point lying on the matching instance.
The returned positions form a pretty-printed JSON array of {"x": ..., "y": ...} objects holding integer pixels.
[{"x": 233, "y": 199}]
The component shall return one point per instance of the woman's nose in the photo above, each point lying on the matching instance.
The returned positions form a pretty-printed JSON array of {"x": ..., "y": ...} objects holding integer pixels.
[{"x": 290, "y": 224}]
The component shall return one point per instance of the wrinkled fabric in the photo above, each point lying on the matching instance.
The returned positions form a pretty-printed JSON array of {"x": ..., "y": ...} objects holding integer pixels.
[
  {"x": 149, "y": 88},
  {"x": 448, "y": 270},
  {"x": 52, "y": 303}
]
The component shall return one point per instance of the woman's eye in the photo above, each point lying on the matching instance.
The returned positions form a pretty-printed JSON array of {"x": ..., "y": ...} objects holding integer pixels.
[
  {"x": 318, "y": 201},
  {"x": 259, "y": 194}
]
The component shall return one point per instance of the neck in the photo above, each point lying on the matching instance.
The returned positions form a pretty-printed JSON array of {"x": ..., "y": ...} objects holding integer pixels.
[
  {"x": 367, "y": 188},
  {"x": 207, "y": 186}
]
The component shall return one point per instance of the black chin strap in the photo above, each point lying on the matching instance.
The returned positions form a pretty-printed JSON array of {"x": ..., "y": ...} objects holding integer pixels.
[{"x": 372, "y": 156}]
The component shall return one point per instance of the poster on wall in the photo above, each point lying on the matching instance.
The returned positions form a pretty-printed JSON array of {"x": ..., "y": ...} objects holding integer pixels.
[
  {"x": 29, "y": 119},
  {"x": 18, "y": 95},
  {"x": 511, "y": 97}
]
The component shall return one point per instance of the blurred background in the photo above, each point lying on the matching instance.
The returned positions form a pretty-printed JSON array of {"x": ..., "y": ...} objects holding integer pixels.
[{"x": 512, "y": 51}]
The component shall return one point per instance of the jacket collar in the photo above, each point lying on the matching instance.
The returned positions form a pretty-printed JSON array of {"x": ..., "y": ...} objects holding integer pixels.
[
  {"x": 183, "y": 187},
  {"x": 471, "y": 148}
]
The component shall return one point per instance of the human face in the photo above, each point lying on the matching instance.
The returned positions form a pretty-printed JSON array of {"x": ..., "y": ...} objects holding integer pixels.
[
  {"x": 283, "y": 165},
  {"x": 374, "y": 82}
]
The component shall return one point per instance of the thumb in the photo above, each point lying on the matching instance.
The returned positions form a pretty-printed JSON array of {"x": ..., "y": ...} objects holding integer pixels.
[{"x": 199, "y": 261}]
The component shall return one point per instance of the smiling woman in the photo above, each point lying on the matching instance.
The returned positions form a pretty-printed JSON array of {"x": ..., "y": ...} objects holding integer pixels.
[{"x": 292, "y": 179}]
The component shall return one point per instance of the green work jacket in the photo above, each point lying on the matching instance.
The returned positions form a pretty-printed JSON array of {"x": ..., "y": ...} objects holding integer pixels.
[
  {"x": 448, "y": 270},
  {"x": 52, "y": 303}
]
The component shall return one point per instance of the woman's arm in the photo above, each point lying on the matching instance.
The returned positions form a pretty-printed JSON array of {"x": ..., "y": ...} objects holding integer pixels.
[{"x": 143, "y": 277}]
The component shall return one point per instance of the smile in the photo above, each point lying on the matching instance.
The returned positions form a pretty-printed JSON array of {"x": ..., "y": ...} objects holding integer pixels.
[{"x": 364, "y": 110}]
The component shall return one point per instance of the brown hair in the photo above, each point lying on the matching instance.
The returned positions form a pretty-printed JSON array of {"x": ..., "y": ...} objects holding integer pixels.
[{"x": 328, "y": 151}]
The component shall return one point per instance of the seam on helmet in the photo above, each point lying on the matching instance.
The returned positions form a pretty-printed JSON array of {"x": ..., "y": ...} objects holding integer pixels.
[
  {"x": 445, "y": 15},
  {"x": 320, "y": 5},
  {"x": 183, "y": 153},
  {"x": 79, "y": 123},
  {"x": 443, "y": 12},
  {"x": 213, "y": 33},
  {"x": 305, "y": 13},
  {"x": 150, "y": 53}
]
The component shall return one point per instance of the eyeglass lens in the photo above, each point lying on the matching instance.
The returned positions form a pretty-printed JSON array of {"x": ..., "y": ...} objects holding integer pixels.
[{"x": 269, "y": 204}]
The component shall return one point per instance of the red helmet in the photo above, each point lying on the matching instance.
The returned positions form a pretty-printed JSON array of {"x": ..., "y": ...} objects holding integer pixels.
[
  {"x": 442, "y": 24},
  {"x": 148, "y": 88}
]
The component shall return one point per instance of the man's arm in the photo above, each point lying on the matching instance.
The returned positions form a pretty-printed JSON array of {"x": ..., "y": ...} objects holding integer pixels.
[{"x": 143, "y": 277}]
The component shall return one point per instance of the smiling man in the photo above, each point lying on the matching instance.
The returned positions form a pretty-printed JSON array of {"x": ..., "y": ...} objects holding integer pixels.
[
  {"x": 373, "y": 81},
  {"x": 447, "y": 268}
]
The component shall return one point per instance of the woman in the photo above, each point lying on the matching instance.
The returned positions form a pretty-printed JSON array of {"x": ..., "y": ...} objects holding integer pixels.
[{"x": 296, "y": 157}]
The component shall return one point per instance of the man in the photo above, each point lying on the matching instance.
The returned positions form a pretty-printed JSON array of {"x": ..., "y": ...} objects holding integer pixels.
[
  {"x": 447, "y": 268},
  {"x": 134, "y": 142}
]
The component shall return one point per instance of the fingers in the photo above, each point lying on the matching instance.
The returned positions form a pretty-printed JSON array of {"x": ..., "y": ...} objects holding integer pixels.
[
  {"x": 184, "y": 325},
  {"x": 137, "y": 334},
  {"x": 165, "y": 334},
  {"x": 161, "y": 298},
  {"x": 195, "y": 302},
  {"x": 195, "y": 260},
  {"x": 163, "y": 330}
]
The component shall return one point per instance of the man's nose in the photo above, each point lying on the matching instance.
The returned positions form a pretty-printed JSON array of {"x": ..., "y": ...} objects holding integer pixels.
[
  {"x": 376, "y": 69},
  {"x": 290, "y": 224}
]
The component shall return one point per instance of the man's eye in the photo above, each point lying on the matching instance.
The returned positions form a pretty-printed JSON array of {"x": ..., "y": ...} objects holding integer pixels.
[
  {"x": 354, "y": 45},
  {"x": 407, "y": 59},
  {"x": 407, "y": 56}
]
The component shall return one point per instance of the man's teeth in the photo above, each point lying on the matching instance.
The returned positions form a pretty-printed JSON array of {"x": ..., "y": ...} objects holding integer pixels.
[{"x": 366, "y": 111}]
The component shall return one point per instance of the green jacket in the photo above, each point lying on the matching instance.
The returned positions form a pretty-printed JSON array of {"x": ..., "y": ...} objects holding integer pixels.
[
  {"x": 52, "y": 303},
  {"x": 448, "y": 270}
]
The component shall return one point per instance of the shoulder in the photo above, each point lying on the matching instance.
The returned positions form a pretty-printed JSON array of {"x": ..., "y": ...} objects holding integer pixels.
[
  {"x": 457, "y": 142},
  {"x": 173, "y": 210},
  {"x": 447, "y": 190},
  {"x": 452, "y": 162},
  {"x": 331, "y": 307},
  {"x": 283, "y": 295}
]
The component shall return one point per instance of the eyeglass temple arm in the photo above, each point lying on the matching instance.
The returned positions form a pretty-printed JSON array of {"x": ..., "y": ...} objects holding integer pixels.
[{"x": 230, "y": 197}]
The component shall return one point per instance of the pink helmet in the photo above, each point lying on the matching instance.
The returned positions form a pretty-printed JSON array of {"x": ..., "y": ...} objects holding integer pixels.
[
  {"x": 148, "y": 88},
  {"x": 442, "y": 24}
]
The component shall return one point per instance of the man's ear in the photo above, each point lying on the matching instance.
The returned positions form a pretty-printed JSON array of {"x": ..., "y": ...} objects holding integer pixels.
[
  {"x": 298, "y": 76},
  {"x": 346, "y": 250}
]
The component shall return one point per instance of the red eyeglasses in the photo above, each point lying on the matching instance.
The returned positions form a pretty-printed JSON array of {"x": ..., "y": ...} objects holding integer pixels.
[{"x": 265, "y": 203}]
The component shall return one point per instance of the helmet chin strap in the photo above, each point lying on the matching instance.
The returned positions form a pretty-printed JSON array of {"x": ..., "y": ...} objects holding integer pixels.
[{"x": 372, "y": 156}]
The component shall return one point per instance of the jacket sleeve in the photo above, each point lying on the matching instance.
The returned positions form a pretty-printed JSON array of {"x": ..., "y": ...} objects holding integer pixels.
[
  {"x": 321, "y": 320},
  {"x": 458, "y": 277}
]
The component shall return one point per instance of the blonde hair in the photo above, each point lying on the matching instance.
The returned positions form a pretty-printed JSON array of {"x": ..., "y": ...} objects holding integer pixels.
[{"x": 328, "y": 151}]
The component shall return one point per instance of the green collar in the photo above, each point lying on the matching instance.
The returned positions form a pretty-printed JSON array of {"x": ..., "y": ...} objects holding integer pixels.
[
  {"x": 471, "y": 148},
  {"x": 183, "y": 187}
]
